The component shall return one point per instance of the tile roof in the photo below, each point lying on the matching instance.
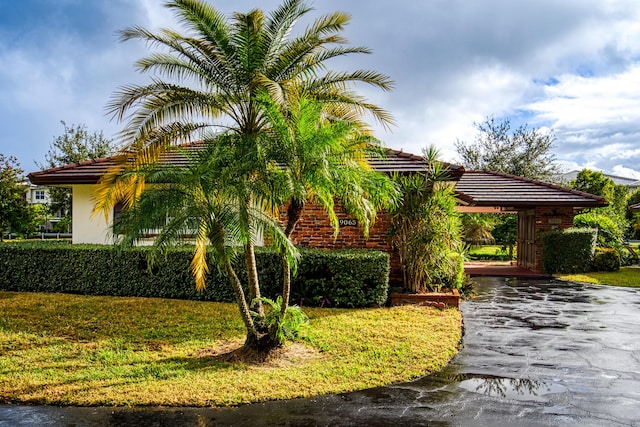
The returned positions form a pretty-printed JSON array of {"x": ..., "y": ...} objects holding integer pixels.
[
  {"x": 474, "y": 188},
  {"x": 484, "y": 188},
  {"x": 89, "y": 172}
]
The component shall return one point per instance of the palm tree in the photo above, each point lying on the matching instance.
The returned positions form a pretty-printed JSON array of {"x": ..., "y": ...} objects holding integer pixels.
[
  {"x": 211, "y": 77},
  {"x": 478, "y": 227},
  {"x": 195, "y": 202},
  {"x": 321, "y": 159}
]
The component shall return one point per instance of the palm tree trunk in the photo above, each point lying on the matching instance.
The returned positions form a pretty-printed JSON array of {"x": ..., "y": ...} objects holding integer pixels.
[
  {"x": 252, "y": 278},
  {"x": 294, "y": 213},
  {"x": 252, "y": 332},
  {"x": 250, "y": 259},
  {"x": 286, "y": 284}
]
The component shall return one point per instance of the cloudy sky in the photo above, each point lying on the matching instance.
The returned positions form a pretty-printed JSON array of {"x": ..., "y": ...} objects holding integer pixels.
[{"x": 570, "y": 66}]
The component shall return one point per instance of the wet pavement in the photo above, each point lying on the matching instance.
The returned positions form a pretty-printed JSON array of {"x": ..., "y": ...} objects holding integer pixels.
[{"x": 536, "y": 353}]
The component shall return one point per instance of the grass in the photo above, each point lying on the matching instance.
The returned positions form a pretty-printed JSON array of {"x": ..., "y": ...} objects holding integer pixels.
[
  {"x": 487, "y": 251},
  {"x": 81, "y": 350},
  {"x": 627, "y": 276}
]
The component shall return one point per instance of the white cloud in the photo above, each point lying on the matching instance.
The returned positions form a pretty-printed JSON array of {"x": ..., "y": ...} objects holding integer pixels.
[
  {"x": 453, "y": 66},
  {"x": 620, "y": 170},
  {"x": 596, "y": 118},
  {"x": 577, "y": 102}
]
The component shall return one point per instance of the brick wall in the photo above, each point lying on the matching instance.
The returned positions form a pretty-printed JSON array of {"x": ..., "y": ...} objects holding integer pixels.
[{"x": 314, "y": 230}]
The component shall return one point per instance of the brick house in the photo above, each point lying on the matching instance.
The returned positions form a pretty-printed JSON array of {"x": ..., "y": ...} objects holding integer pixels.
[{"x": 540, "y": 206}]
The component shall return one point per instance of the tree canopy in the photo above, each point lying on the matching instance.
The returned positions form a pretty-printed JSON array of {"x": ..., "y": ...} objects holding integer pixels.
[
  {"x": 75, "y": 145},
  {"x": 14, "y": 209},
  {"x": 612, "y": 217},
  {"x": 522, "y": 151}
]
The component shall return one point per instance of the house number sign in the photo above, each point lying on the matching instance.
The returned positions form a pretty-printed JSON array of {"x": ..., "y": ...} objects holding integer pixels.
[{"x": 347, "y": 222}]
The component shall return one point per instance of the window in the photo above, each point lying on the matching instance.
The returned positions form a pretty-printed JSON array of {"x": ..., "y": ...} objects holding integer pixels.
[
  {"x": 117, "y": 212},
  {"x": 39, "y": 195}
]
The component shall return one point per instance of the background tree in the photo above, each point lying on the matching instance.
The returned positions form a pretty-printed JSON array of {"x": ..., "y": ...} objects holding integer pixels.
[
  {"x": 505, "y": 232},
  {"x": 75, "y": 145},
  {"x": 611, "y": 221},
  {"x": 522, "y": 152},
  {"x": 209, "y": 79},
  {"x": 15, "y": 214},
  {"x": 525, "y": 152},
  {"x": 634, "y": 217},
  {"x": 478, "y": 227}
]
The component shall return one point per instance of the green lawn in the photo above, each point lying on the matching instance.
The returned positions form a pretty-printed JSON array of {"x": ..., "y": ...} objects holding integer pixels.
[
  {"x": 84, "y": 350},
  {"x": 627, "y": 276},
  {"x": 487, "y": 251}
]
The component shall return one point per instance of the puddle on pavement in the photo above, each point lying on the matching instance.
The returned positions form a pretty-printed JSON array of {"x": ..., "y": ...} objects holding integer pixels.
[{"x": 511, "y": 388}]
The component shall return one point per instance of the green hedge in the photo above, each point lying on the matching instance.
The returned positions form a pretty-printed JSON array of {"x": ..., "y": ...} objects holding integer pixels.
[
  {"x": 345, "y": 278},
  {"x": 606, "y": 259},
  {"x": 568, "y": 251}
]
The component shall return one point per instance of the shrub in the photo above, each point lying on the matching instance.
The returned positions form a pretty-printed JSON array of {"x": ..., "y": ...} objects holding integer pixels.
[
  {"x": 345, "y": 278},
  {"x": 426, "y": 229},
  {"x": 609, "y": 232},
  {"x": 568, "y": 251},
  {"x": 606, "y": 259}
]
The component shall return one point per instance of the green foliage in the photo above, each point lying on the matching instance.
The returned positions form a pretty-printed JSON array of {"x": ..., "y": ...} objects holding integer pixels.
[
  {"x": 344, "y": 278},
  {"x": 290, "y": 325},
  {"x": 506, "y": 232},
  {"x": 427, "y": 230},
  {"x": 522, "y": 152},
  {"x": 609, "y": 232},
  {"x": 63, "y": 226},
  {"x": 36, "y": 218},
  {"x": 350, "y": 278},
  {"x": 606, "y": 259},
  {"x": 568, "y": 251},
  {"x": 595, "y": 182},
  {"x": 15, "y": 215},
  {"x": 478, "y": 227},
  {"x": 633, "y": 217}
]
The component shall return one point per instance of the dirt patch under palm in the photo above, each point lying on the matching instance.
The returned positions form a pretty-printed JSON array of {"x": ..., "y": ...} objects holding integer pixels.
[{"x": 233, "y": 351}]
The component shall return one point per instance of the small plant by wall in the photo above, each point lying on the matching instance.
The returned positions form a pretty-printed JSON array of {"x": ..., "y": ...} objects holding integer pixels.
[{"x": 426, "y": 230}]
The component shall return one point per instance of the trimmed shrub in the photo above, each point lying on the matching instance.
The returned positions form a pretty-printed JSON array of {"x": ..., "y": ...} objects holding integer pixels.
[
  {"x": 606, "y": 259},
  {"x": 344, "y": 278},
  {"x": 568, "y": 251}
]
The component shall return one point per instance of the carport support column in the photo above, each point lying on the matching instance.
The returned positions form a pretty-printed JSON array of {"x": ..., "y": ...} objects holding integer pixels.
[{"x": 550, "y": 219}]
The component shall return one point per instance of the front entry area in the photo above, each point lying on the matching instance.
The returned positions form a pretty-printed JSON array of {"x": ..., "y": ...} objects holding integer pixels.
[{"x": 540, "y": 207}]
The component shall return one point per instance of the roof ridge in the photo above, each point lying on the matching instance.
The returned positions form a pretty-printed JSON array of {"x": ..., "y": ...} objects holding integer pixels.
[
  {"x": 73, "y": 165},
  {"x": 539, "y": 182}
]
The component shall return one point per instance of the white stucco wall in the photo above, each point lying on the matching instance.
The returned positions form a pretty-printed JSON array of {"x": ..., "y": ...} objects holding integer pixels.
[{"x": 87, "y": 229}]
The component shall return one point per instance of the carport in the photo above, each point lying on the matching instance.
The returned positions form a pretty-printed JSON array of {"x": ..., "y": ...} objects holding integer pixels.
[{"x": 540, "y": 207}]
